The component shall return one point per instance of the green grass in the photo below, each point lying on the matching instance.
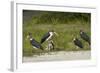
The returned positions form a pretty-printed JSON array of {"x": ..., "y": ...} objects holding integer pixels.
[
  {"x": 66, "y": 28},
  {"x": 62, "y": 42}
]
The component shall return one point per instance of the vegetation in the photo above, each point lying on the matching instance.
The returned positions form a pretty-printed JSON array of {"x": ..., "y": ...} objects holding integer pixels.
[{"x": 66, "y": 24}]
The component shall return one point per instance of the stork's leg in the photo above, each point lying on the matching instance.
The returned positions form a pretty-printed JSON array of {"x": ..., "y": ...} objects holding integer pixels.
[
  {"x": 53, "y": 46},
  {"x": 89, "y": 45},
  {"x": 49, "y": 47}
]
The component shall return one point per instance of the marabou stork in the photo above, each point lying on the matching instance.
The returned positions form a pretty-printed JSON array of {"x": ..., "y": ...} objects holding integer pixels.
[{"x": 34, "y": 43}]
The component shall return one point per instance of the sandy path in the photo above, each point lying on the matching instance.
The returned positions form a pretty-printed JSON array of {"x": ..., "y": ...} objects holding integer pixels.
[{"x": 57, "y": 56}]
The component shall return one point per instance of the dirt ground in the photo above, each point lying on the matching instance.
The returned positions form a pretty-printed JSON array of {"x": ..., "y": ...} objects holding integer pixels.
[{"x": 59, "y": 56}]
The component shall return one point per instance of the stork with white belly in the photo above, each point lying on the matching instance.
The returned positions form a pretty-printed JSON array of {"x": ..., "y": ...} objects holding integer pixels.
[{"x": 48, "y": 37}]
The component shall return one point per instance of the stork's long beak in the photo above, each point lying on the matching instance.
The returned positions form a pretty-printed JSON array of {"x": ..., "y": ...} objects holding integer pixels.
[{"x": 56, "y": 33}]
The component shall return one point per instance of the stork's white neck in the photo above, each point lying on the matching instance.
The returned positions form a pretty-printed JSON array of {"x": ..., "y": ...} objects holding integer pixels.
[
  {"x": 30, "y": 39},
  {"x": 74, "y": 39},
  {"x": 51, "y": 33},
  {"x": 81, "y": 32}
]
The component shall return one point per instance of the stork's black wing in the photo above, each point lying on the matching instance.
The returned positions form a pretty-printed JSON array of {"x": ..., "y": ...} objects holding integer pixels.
[
  {"x": 36, "y": 44},
  {"x": 78, "y": 43},
  {"x": 85, "y": 37},
  {"x": 45, "y": 37}
]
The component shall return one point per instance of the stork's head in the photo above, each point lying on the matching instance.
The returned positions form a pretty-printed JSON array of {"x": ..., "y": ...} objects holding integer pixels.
[
  {"x": 29, "y": 36},
  {"x": 52, "y": 31},
  {"x": 74, "y": 39},
  {"x": 81, "y": 31}
]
